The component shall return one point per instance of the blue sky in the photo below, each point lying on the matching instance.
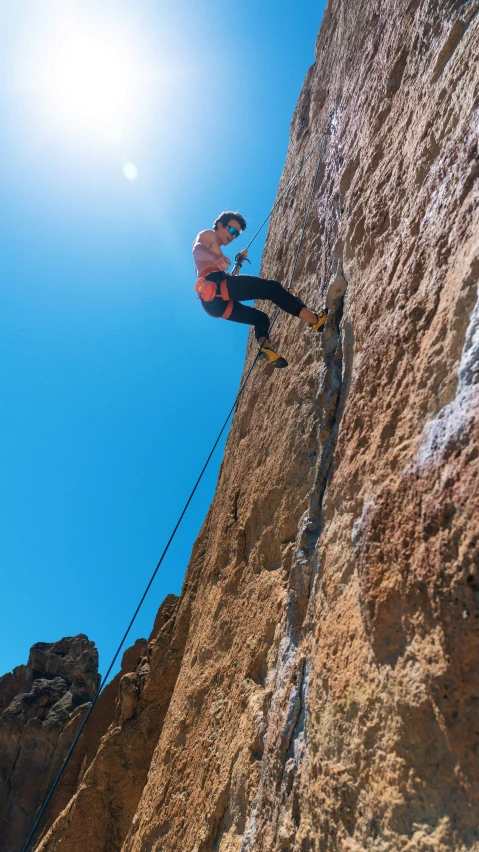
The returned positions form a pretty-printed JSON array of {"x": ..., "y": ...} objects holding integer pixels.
[{"x": 113, "y": 381}]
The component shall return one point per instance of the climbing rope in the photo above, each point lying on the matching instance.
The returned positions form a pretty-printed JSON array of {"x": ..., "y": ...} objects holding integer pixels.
[
  {"x": 322, "y": 143},
  {"x": 322, "y": 139}
]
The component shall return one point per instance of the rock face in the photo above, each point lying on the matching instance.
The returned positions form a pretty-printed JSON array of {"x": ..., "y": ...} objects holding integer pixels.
[
  {"x": 315, "y": 686},
  {"x": 42, "y": 706}
]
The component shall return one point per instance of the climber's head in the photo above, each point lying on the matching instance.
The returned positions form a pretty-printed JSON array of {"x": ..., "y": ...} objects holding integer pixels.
[{"x": 228, "y": 226}]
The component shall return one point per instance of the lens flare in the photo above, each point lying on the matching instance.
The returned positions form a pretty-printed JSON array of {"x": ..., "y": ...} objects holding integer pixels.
[{"x": 130, "y": 171}]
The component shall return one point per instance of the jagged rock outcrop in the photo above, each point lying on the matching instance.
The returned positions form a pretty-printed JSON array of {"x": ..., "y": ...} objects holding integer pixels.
[
  {"x": 42, "y": 706},
  {"x": 100, "y": 814},
  {"x": 325, "y": 647}
]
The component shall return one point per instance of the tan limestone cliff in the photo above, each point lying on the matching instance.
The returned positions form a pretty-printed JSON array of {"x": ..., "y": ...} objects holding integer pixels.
[{"x": 316, "y": 685}]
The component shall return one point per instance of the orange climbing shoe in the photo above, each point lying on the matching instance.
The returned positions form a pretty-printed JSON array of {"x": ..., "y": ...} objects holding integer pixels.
[
  {"x": 322, "y": 317},
  {"x": 272, "y": 357}
]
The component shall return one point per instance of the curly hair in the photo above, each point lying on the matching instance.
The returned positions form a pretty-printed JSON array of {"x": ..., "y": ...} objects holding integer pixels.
[{"x": 226, "y": 216}]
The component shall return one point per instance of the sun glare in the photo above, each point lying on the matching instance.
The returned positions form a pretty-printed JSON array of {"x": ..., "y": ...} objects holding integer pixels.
[
  {"x": 91, "y": 83},
  {"x": 90, "y": 80}
]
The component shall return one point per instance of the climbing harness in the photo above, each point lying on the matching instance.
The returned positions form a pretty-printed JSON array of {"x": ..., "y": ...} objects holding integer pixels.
[
  {"x": 260, "y": 354},
  {"x": 211, "y": 288}
]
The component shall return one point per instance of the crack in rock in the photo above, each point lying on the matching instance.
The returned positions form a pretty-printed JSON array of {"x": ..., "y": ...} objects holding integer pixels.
[{"x": 285, "y": 737}]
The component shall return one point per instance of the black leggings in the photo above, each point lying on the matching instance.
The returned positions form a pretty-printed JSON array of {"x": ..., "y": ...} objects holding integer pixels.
[{"x": 246, "y": 287}]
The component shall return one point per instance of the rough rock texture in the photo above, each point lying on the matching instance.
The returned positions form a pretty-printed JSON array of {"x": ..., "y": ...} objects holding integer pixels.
[
  {"x": 317, "y": 683},
  {"x": 42, "y": 706}
]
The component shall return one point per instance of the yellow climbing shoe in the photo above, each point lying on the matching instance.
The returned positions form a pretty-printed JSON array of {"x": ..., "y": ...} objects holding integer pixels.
[
  {"x": 272, "y": 357},
  {"x": 322, "y": 317}
]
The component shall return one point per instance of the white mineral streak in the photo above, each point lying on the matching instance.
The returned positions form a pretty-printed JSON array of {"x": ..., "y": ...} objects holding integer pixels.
[{"x": 454, "y": 418}]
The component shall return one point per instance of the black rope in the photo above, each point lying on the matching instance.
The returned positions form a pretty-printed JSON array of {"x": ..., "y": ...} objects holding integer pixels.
[
  {"x": 165, "y": 551},
  {"x": 167, "y": 546},
  {"x": 322, "y": 137}
]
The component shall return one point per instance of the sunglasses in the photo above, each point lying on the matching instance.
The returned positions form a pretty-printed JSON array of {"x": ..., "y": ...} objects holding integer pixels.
[{"x": 234, "y": 231}]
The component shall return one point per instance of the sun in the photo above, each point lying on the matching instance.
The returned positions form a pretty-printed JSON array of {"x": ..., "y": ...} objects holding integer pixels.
[
  {"x": 90, "y": 81},
  {"x": 91, "y": 84}
]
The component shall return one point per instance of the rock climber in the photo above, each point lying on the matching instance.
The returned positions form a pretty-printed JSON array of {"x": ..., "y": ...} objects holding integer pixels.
[{"x": 221, "y": 294}]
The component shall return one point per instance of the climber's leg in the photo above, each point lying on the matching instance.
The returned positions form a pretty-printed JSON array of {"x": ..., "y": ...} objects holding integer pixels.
[
  {"x": 242, "y": 287},
  {"x": 260, "y": 321}
]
